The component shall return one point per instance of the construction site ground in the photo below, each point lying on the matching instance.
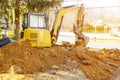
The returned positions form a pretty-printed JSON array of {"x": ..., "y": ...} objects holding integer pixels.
[{"x": 20, "y": 61}]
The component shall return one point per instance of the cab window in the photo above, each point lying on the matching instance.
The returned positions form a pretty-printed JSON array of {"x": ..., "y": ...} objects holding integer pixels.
[{"x": 37, "y": 21}]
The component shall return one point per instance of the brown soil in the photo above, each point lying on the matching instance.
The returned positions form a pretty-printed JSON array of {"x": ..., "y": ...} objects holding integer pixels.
[
  {"x": 97, "y": 65},
  {"x": 29, "y": 59}
]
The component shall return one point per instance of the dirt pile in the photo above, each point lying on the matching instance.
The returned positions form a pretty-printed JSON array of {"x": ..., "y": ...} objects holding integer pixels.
[
  {"x": 103, "y": 65},
  {"x": 97, "y": 65},
  {"x": 29, "y": 59}
]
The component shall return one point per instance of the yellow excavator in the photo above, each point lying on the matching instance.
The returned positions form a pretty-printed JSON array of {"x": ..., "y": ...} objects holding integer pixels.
[{"x": 35, "y": 27}]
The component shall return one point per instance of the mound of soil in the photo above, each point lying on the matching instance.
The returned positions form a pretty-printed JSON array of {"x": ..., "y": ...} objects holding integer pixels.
[
  {"x": 97, "y": 65},
  {"x": 29, "y": 59}
]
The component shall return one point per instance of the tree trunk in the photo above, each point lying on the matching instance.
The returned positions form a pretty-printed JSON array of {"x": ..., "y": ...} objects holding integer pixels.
[{"x": 17, "y": 23}]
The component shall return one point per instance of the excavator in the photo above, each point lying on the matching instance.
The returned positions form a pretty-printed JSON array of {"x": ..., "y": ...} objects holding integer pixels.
[{"x": 35, "y": 27}]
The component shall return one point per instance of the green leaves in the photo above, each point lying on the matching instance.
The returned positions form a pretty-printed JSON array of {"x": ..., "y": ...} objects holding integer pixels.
[
  {"x": 42, "y": 5},
  {"x": 29, "y": 5},
  {"x": 14, "y": 9}
]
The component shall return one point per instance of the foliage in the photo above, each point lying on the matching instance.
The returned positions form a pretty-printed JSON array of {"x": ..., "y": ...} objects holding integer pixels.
[
  {"x": 28, "y": 5},
  {"x": 42, "y": 5},
  {"x": 16, "y": 8}
]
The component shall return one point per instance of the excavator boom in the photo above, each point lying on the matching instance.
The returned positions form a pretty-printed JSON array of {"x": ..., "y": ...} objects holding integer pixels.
[{"x": 60, "y": 14}]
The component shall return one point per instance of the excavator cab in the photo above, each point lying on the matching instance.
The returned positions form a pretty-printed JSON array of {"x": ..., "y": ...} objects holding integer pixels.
[
  {"x": 35, "y": 30},
  {"x": 35, "y": 20}
]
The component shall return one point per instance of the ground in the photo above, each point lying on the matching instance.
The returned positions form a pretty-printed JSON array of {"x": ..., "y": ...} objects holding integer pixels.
[{"x": 20, "y": 61}]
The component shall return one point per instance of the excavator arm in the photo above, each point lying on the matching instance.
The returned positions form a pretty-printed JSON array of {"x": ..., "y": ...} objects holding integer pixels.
[
  {"x": 58, "y": 21},
  {"x": 80, "y": 19},
  {"x": 78, "y": 29}
]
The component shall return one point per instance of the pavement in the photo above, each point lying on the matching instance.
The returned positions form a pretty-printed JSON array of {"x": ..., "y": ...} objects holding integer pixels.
[{"x": 103, "y": 40}]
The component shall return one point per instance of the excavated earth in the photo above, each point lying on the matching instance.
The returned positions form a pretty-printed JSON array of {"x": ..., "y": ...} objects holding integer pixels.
[{"x": 20, "y": 61}]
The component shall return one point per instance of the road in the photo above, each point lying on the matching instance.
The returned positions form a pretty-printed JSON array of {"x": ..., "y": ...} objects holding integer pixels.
[{"x": 103, "y": 41}]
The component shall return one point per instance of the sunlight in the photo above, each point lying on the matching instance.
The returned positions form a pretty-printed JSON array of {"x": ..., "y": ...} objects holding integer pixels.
[
  {"x": 101, "y": 3},
  {"x": 93, "y": 3}
]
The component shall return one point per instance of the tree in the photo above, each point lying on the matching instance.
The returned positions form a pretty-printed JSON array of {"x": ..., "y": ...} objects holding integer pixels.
[
  {"x": 5, "y": 9},
  {"x": 22, "y": 6}
]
